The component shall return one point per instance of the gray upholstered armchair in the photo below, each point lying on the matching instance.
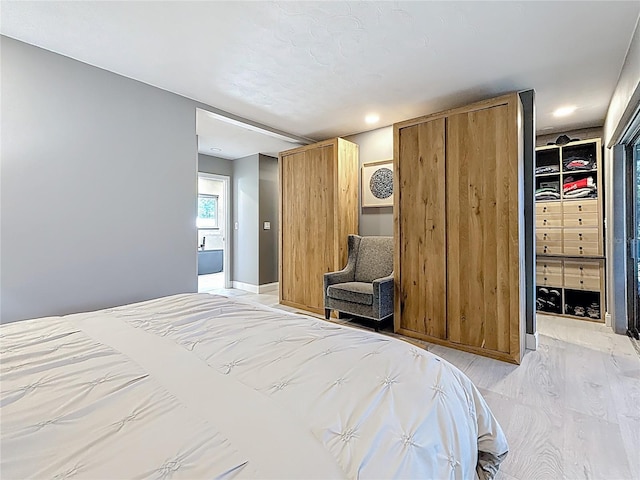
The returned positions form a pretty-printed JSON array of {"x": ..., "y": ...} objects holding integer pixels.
[{"x": 364, "y": 288}]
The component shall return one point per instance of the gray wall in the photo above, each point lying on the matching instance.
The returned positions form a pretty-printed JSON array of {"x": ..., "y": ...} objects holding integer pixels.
[
  {"x": 375, "y": 145},
  {"x": 246, "y": 214},
  {"x": 580, "y": 134},
  {"x": 623, "y": 106},
  {"x": 210, "y": 164},
  {"x": 88, "y": 159},
  {"x": 268, "y": 209}
]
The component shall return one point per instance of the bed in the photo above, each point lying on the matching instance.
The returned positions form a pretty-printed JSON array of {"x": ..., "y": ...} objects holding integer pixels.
[{"x": 205, "y": 386}]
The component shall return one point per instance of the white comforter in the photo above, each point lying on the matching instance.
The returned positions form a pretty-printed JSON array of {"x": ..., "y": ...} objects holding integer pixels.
[{"x": 202, "y": 386}]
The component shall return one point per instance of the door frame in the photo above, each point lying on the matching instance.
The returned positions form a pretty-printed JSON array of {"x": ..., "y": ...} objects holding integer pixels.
[{"x": 226, "y": 253}]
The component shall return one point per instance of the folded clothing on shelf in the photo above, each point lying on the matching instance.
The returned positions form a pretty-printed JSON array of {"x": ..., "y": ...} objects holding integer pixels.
[
  {"x": 586, "y": 192},
  {"x": 547, "y": 169},
  {"x": 578, "y": 163},
  {"x": 547, "y": 194},
  {"x": 571, "y": 184}
]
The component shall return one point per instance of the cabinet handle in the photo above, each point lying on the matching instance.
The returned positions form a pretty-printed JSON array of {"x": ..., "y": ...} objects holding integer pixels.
[
  {"x": 544, "y": 209},
  {"x": 581, "y": 282},
  {"x": 580, "y": 235},
  {"x": 581, "y": 265},
  {"x": 545, "y": 236},
  {"x": 580, "y": 207},
  {"x": 545, "y": 221},
  {"x": 580, "y": 220},
  {"x": 545, "y": 279}
]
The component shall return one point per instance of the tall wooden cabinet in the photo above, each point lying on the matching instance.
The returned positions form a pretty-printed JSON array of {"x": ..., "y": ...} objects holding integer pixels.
[
  {"x": 318, "y": 209},
  {"x": 570, "y": 277},
  {"x": 459, "y": 228}
]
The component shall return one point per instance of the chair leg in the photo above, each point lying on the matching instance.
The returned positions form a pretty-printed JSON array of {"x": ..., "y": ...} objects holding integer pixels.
[{"x": 327, "y": 313}]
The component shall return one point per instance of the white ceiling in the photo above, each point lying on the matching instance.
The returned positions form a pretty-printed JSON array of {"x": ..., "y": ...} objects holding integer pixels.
[
  {"x": 316, "y": 68},
  {"x": 228, "y": 140}
]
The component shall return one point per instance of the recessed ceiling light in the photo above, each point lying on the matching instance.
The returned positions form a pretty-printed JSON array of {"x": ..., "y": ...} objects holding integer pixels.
[
  {"x": 564, "y": 111},
  {"x": 372, "y": 118},
  {"x": 215, "y": 149}
]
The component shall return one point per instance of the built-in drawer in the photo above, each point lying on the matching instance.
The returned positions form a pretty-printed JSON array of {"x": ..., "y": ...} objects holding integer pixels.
[
  {"x": 549, "y": 247},
  {"x": 549, "y": 220},
  {"x": 589, "y": 249},
  {"x": 543, "y": 208},
  {"x": 549, "y": 272},
  {"x": 582, "y": 275},
  {"x": 544, "y": 235},
  {"x": 580, "y": 206},
  {"x": 582, "y": 268},
  {"x": 587, "y": 234},
  {"x": 584, "y": 219}
]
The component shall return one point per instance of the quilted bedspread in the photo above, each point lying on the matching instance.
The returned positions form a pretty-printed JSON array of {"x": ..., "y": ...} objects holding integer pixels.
[{"x": 204, "y": 386}]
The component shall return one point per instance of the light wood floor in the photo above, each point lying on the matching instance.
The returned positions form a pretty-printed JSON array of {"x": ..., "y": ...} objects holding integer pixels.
[{"x": 571, "y": 410}]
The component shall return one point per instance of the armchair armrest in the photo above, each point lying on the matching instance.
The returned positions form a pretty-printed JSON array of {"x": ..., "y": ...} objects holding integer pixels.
[
  {"x": 345, "y": 275},
  {"x": 383, "y": 296}
]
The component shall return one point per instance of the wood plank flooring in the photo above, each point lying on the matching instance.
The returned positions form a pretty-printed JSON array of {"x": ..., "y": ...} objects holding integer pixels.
[{"x": 571, "y": 410}]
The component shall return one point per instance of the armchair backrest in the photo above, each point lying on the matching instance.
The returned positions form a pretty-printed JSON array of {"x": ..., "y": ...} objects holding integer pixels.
[{"x": 374, "y": 259}]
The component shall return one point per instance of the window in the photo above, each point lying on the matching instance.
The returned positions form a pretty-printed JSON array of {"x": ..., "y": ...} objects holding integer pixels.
[{"x": 207, "y": 211}]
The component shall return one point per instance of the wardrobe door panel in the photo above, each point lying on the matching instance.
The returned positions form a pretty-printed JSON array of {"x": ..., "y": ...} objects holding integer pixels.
[
  {"x": 292, "y": 209},
  {"x": 316, "y": 250},
  {"x": 422, "y": 240},
  {"x": 480, "y": 228}
]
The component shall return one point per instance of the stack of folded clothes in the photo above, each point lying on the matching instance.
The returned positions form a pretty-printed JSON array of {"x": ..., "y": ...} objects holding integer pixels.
[
  {"x": 547, "y": 194},
  {"x": 576, "y": 163},
  {"x": 583, "y": 188},
  {"x": 547, "y": 169}
]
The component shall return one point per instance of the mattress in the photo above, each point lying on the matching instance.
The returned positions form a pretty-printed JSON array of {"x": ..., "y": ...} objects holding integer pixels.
[{"x": 204, "y": 386}]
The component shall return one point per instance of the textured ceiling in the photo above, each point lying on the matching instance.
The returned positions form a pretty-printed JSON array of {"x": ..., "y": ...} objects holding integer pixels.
[{"x": 316, "y": 68}]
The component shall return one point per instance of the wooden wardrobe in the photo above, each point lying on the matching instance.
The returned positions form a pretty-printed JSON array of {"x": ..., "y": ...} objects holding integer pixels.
[
  {"x": 318, "y": 209},
  {"x": 458, "y": 213}
]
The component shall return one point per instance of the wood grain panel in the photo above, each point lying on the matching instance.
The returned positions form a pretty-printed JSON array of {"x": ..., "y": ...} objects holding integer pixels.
[
  {"x": 346, "y": 199},
  {"x": 292, "y": 179},
  {"x": 480, "y": 230},
  {"x": 317, "y": 222},
  {"x": 318, "y": 209},
  {"x": 420, "y": 201}
]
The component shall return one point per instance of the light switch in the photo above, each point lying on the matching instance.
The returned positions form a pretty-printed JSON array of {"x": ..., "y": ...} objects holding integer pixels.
[
  {"x": 267, "y": 225},
  {"x": 235, "y": 225}
]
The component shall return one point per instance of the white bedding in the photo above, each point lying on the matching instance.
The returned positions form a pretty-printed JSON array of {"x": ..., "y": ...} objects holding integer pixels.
[{"x": 202, "y": 386}]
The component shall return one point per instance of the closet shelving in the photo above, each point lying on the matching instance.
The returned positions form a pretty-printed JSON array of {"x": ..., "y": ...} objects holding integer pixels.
[{"x": 569, "y": 230}]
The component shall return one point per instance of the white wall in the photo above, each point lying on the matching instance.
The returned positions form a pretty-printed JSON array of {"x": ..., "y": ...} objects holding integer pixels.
[
  {"x": 98, "y": 187},
  {"x": 246, "y": 213}
]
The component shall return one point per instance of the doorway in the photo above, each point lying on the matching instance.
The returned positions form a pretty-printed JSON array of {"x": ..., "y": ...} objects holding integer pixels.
[
  {"x": 633, "y": 234},
  {"x": 213, "y": 226}
]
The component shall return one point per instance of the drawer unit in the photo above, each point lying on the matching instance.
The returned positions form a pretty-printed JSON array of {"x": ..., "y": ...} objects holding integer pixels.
[
  {"x": 584, "y": 219},
  {"x": 589, "y": 249},
  {"x": 580, "y": 206},
  {"x": 544, "y": 208},
  {"x": 549, "y": 266},
  {"x": 549, "y": 272},
  {"x": 580, "y": 235},
  {"x": 582, "y": 275},
  {"x": 549, "y": 247},
  {"x": 549, "y": 220},
  {"x": 544, "y": 235}
]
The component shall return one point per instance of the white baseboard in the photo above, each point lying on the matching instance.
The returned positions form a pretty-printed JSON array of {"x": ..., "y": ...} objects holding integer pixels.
[
  {"x": 268, "y": 287},
  {"x": 250, "y": 287},
  {"x": 247, "y": 287},
  {"x": 531, "y": 341}
]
